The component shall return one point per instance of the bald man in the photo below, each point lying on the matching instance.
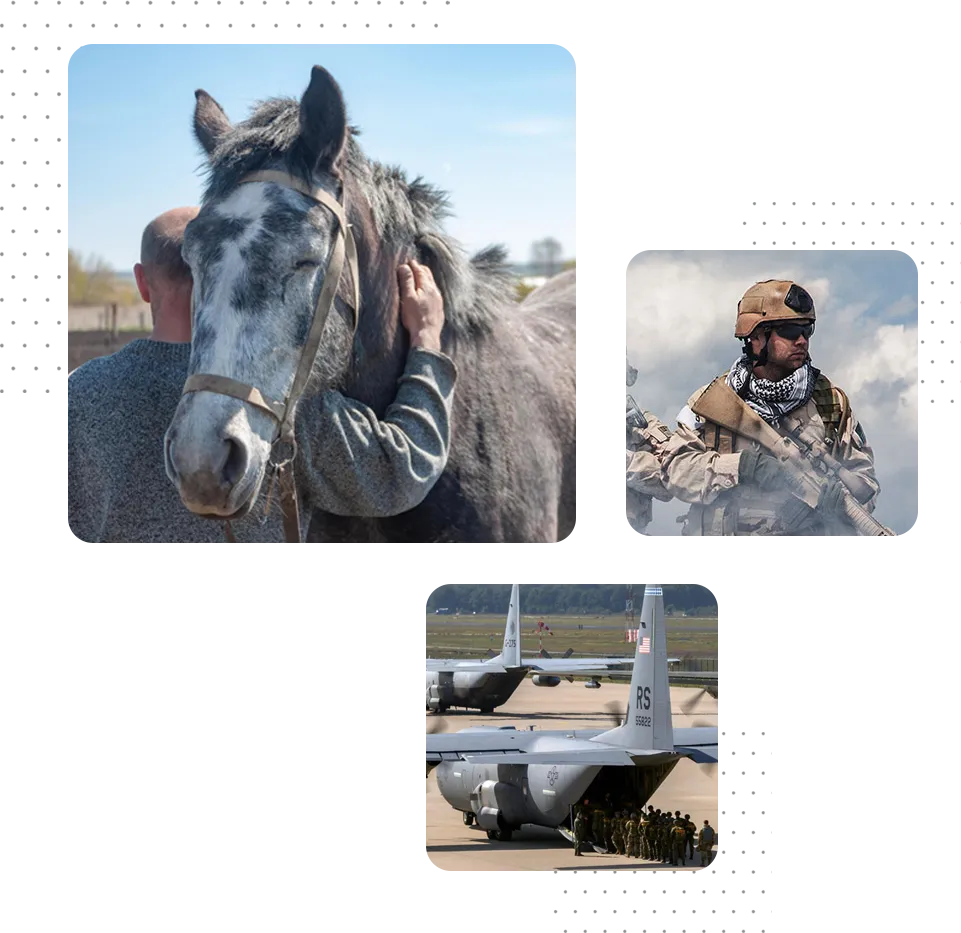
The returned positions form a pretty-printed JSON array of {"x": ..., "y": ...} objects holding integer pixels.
[{"x": 119, "y": 407}]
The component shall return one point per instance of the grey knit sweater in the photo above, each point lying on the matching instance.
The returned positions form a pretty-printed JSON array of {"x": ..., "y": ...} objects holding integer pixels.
[{"x": 349, "y": 461}]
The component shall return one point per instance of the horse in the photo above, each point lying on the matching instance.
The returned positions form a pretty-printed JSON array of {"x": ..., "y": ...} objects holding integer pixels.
[{"x": 510, "y": 474}]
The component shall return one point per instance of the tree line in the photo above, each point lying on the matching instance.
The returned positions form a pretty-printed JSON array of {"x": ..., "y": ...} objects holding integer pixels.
[
  {"x": 564, "y": 599},
  {"x": 92, "y": 281}
]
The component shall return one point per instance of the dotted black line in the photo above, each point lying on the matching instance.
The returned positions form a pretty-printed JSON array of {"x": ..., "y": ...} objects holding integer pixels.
[{"x": 955, "y": 204}]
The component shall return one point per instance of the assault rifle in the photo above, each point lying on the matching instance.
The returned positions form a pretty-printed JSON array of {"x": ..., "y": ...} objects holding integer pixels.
[
  {"x": 808, "y": 465},
  {"x": 635, "y": 417}
]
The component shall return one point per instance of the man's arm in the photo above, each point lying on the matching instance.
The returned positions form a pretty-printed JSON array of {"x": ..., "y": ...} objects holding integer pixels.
[
  {"x": 856, "y": 455},
  {"x": 690, "y": 471},
  {"x": 357, "y": 464}
]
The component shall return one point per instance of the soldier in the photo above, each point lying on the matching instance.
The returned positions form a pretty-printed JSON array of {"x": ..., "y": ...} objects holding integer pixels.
[
  {"x": 642, "y": 835},
  {"x": 644, "y": 436},
  {"x": 705, "y": 843},
  {"x": 609, "y": 830},
  {"x": 663, "y": 838},
  {"x": 580, "y": 827},
  {"x": 619, "y": 833},
  {"x": 691, "y": 833},
  {"x": 630, "y": 833},
  {"x": 597, "y": 827},
  {"x": 678, "y": 839},
  {"x": 734, "y": 485}
]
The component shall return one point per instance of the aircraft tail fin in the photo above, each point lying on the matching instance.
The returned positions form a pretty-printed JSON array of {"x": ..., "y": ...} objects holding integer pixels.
[
  {"x": 511, "y": 653},
  {"x": 648, "y": 724}
]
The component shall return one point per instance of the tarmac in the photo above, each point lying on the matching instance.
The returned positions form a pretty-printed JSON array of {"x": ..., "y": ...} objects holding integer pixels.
[{"x": 690, "y": 788}]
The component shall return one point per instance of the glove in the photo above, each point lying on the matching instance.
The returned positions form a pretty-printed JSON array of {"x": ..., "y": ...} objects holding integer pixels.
[
  {"x": 831, "y": 498},
  {"x": 760, "y": 469}
]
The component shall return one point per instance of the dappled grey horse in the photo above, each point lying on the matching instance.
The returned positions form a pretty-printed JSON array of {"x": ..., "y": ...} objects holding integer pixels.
[{"x": 259, "y": 254}]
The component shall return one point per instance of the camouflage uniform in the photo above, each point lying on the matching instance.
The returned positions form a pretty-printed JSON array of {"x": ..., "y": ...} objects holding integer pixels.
[
  {"x": 702, "y": 461},
  {"x": 597, "y": 827},
  {"x": 616, "y": 835},
  {"x": 631, "y": 836},
  {"x": 580, "y": 829},
  {"x": 705, "y": 843},
  {"x": 644, "y": 481},
  {"x": 678, "y": 841},
  {"x": 691, "y": 833}
]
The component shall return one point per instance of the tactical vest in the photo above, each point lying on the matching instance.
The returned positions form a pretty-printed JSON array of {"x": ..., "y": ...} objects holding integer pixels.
[
  {"x": 724, "y": 516},
  {"x": 833, "y": 408}
]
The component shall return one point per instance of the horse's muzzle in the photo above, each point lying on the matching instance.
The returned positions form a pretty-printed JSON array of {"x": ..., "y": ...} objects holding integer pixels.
[{"x": 212, "y": 478}]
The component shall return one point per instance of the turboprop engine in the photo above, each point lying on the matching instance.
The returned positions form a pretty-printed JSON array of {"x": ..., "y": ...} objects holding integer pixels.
[{"x": 545, "y": 680}]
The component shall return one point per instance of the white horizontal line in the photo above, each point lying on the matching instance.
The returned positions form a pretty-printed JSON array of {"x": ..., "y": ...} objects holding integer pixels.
[
  {"x": 845, "y": 831},
  {"x": 904, "y": 792},
  {"x": 868, "y": 756}
]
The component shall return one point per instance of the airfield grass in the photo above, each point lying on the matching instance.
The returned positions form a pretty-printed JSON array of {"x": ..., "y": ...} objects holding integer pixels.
[{"x": 472, "y": 636}]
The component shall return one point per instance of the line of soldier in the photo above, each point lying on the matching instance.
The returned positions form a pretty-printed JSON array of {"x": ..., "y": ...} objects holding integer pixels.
[{"x": 651, "y": 835}]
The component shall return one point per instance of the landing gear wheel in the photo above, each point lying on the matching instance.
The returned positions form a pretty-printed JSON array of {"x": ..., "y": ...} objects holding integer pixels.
[
  {"x": 500, "y": 835},
  {"x": 468, "y": 818},
  {"x": 487, "y": 710}
]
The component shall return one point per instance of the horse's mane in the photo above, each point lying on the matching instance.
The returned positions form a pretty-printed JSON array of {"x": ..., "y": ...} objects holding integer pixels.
[{"x": 406, "y": 212}]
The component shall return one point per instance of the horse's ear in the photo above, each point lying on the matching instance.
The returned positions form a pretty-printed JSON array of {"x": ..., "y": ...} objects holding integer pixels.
[
  {"x": 323, "y": 119},
  {"x": 210, "y": 121}
]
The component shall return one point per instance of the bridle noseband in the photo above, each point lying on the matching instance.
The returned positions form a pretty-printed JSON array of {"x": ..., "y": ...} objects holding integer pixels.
[{"x": 283, "y": 446}]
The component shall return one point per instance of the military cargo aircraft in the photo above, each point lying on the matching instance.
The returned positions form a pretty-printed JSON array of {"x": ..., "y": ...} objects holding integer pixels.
[
  {"x": 503, "y": 778},
  {"x": 486, "y": 684}
]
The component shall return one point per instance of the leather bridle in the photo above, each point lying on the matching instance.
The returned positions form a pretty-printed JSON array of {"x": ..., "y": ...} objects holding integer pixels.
[{"x": 283, "y": 447}]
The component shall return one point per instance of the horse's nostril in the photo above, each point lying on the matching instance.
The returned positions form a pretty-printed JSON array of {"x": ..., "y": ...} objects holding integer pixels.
[
  {"x": 236, "y": 463},
  {"x": 169, "y": 459}
]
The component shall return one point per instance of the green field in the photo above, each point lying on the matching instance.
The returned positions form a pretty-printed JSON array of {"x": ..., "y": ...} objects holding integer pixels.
[{"x": 472, "y": 636}]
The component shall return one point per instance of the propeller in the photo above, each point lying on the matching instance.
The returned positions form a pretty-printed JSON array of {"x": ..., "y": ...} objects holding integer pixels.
[
  {"x": 689, "y": 705},
  {"x": 710, "y": 770},
  {"x": 614, "y": 713}
]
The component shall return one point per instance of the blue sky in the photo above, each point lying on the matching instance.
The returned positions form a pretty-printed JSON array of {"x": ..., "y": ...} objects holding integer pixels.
[{"x": 493, "y": 125}]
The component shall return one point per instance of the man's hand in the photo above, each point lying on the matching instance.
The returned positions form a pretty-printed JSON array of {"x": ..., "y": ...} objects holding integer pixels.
[
  {"x": 831, "y": 498},
  {"x": 421, "y": 305},
  {"x": 760, "y": 469}
]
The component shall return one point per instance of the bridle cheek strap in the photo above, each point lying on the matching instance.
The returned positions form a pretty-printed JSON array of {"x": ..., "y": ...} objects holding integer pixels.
[{"x": 284, "y": 445}]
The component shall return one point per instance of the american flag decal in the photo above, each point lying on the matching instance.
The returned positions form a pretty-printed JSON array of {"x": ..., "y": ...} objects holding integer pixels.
[
  {"x": 653, "y": 591},
  {"x": 644, "y": 645}
]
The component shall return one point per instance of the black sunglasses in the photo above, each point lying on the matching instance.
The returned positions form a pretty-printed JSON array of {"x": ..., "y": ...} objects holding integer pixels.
[{"x": 793, "y": 331}]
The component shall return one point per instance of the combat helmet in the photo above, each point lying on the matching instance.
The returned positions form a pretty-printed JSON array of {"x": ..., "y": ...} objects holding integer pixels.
[{"x": 771, "y": 302}]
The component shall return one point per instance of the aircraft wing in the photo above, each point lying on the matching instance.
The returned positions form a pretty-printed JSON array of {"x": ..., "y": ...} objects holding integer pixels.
[
  {"x": 515, "y": 747},
  {"x": 613, "y": 756},
  {"x": 564, "y": 666},
  {"x": 466, "y": 667},
  {"x": 698, "y": 743},
  {"x": 702, "y": 754}
]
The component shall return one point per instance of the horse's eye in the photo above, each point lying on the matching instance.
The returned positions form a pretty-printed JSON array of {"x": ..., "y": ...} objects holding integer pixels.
[{"x": 306, "y": 264}]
